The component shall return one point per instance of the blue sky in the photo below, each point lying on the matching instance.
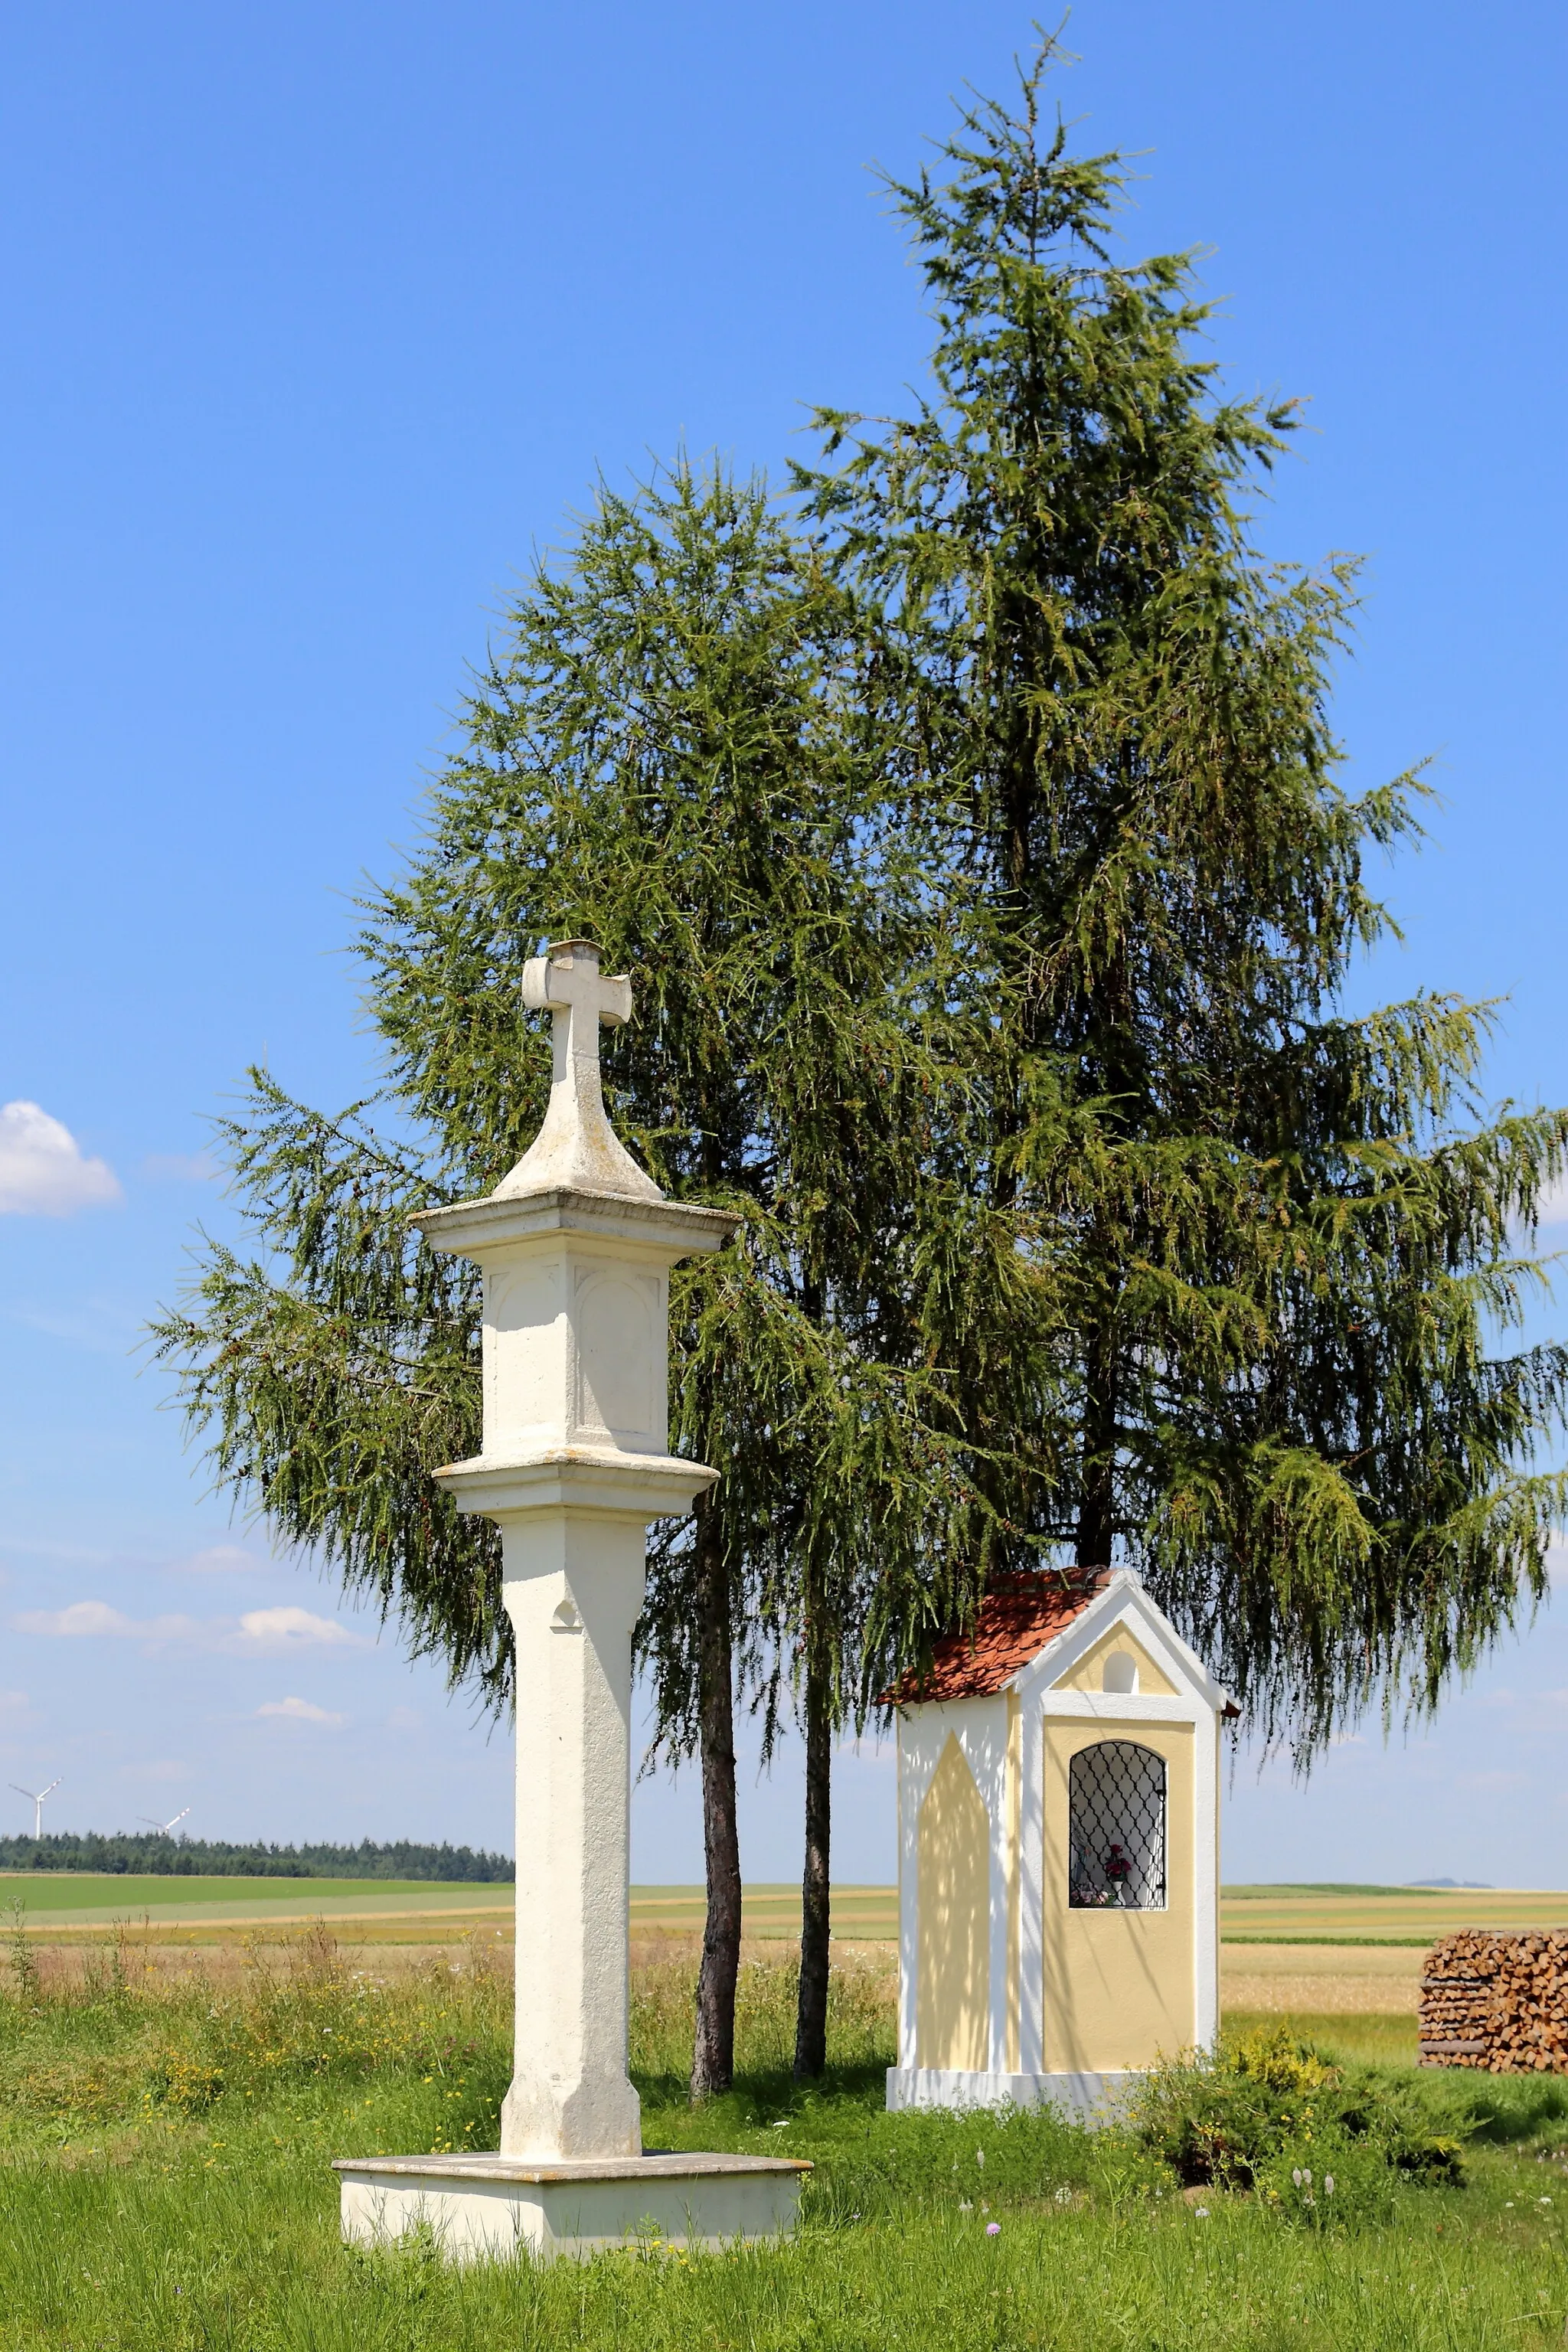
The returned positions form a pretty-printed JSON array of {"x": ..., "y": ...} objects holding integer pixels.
[{"x": 316, "y": 322}]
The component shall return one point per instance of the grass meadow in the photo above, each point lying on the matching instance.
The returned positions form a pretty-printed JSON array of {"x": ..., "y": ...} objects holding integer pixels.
[{"x": 165, "y": 2134}]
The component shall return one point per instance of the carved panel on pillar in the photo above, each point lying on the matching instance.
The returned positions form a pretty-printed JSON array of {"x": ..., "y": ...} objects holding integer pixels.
[
  {"x": 618, "y": 1359},
  {"x": 524, "y": 1353}
]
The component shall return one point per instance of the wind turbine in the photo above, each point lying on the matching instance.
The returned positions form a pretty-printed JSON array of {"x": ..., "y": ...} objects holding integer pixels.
[
  {"x": 163, "y": 1828},
  {"x": 35, "y": 1798}
]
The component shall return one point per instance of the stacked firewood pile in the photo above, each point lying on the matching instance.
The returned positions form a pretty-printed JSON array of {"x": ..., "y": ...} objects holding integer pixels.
[{"x": 1496, "y": 2001}]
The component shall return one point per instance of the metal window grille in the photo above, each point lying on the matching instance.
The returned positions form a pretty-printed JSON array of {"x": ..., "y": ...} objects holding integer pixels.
[{"x": 1116, "y": 1828}]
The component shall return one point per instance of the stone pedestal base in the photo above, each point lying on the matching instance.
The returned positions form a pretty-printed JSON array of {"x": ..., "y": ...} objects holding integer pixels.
[
  {"x": 490, "y": 2207},
  {"x": 1084, "y": 2098}
]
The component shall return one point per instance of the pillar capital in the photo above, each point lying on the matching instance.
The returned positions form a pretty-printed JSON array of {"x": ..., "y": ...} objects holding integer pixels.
[{"x": 576, "y": 1345}]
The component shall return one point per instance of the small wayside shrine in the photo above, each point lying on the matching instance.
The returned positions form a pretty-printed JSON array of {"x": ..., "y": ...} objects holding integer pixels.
[
  {"x": 576, "y": 1246},
  {"x": 1059, "y": 1848}
]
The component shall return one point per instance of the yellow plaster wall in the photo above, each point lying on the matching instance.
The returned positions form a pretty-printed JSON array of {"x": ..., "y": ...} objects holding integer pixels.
[
  {"x": 953, "y": 1943},
  {"x": 1088, "y": 1675},
  {"x": 1118, "y": 1984}
]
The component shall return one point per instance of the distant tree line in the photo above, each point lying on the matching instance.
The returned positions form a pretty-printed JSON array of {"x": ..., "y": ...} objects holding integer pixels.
[{"x": 167, "y": 1857}]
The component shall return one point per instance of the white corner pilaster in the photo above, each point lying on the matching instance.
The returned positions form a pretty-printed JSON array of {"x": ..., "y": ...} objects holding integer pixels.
[
  {"x": 1031, "y": 1892},
  {"x": 1205, "y": 1883},
  {"x": 910, "y": 1795}
]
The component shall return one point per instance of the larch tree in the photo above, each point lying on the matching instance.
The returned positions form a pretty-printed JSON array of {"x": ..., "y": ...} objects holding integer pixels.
[
  {"x": 676, "y": 751},
  {"x": 1275, "y": 1244}
]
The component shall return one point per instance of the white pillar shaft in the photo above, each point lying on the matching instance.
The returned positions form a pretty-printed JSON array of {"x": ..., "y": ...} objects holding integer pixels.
[{"x": 573, "y": 1586}]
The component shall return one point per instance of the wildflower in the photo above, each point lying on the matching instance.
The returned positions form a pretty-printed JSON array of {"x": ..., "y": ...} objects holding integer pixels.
[
  {"x": 994, "y": 2229},
  {"x": 980, "y": 2157},
  {"x": 1200, "y": 2213},
  {"x": 1328, "y": 2184},
  {"x": 1064, "y": 2197}
]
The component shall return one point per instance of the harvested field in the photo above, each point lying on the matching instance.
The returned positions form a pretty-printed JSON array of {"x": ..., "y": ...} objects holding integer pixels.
[
  {"x": 1320, "y": 1979},
  {"x": 1287, "y": 1951}
]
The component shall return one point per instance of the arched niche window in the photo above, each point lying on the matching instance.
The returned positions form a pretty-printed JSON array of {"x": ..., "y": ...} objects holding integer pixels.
[{"x": 1116, "y": 1828}]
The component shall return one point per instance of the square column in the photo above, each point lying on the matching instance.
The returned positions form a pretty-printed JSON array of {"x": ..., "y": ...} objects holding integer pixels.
[{"x": 573, "y": 1586}]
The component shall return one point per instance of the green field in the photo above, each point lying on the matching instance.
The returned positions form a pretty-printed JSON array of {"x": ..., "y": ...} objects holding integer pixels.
[
  {"x": 63, "y": 1899},
  {"x": 1382, "y": 1914},
  {"x": 71, "y": 1899}
]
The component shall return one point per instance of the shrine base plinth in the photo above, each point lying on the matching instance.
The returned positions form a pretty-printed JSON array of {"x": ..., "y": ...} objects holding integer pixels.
[{"x": 485, "y": 2207}]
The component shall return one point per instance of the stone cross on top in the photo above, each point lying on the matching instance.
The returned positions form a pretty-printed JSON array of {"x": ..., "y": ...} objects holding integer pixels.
[{"x": 576, "y": 1148}]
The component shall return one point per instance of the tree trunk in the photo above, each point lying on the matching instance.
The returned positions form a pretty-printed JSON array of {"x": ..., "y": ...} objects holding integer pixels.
[
  {"x": 1097, "y": 1490},
  {"x": 713, "y": 2054},
  {"x": 811, "y": 2016}
]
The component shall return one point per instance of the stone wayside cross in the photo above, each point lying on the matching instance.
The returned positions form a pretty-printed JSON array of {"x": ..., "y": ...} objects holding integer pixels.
[
  {"x": 577, "y": 1145},
  {"x": 575, "y": 1243}
]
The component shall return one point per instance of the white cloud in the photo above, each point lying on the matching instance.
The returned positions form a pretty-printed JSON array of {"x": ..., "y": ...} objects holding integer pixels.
[
  {"x": 14, "y": 1702},
  {"x": 211, "y": 1558},
  {"x": 42, "y": 1171},
  {"x": 1554, "y": 1207},
  {"x": 300, "y": 1710},
  {"x": 96, "y": 1617},
  {"x": 258, "y": 1632},
  {"x": 294, "y": 1629}
]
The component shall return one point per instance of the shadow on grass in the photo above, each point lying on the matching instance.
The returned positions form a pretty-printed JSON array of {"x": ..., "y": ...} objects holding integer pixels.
[
  {"x": 1498, "y": 2110},
  {"x": 1507, "y": 2108},
  {"x": 766, "y": 2096},
  {"x": 868, "y": 2163}
]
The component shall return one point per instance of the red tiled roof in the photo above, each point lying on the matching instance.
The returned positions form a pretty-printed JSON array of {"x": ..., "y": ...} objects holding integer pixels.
[{"x": 1018, "y": 1616}]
